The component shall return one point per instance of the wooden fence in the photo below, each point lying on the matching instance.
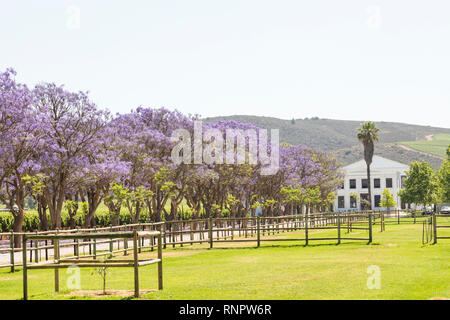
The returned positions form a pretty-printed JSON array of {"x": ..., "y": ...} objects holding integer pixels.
[
  {"x": 58, "y": 263},
  {"x": 403, "y": 216},
  {"x": 440, "y": 222},
  {"x": 188, "y": 232}
]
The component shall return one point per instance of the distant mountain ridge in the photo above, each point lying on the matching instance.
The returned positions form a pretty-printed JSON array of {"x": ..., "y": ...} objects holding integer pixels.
[{"x": 339, "y": 136}]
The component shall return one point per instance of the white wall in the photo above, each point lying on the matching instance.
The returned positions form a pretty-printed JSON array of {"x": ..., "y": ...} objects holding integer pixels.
[{"x": 382, "y": 174}]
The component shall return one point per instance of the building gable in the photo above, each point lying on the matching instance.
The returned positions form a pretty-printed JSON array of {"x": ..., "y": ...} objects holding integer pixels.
[{"x": 378, "y": 163}]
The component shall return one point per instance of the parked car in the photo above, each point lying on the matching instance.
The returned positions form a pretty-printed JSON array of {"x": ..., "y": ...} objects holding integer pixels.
[
  {"x": 445, "y": 210},
  {"x": 427, "y": 210}
]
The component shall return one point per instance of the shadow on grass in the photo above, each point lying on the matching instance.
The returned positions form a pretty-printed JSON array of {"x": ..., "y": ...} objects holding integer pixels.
[{"x": 316, "y": 245}]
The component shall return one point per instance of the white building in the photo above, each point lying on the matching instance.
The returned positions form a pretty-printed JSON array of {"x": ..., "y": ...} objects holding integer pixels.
[{"x": 384, "y": 173}]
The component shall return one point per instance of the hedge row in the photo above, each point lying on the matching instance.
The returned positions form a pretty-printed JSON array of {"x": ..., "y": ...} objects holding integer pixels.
[
  {"x": 102, "y": 218},
  {"x": 32, "y": 221}
]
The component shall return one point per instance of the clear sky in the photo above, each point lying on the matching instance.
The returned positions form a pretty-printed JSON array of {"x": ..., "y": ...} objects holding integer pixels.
[{"x": 358, "y": 60}]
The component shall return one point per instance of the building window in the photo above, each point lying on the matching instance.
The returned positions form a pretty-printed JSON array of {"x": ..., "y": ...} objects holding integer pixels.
[
  {"x": 352, "y": 202},
  {"x": 364, "y": 201},
  {"x": 377, "y": 201},
  {"x": 341, "y": 204},
  {"x": 376, "y": 183},
  {"x": 352, "y": 183},
  {"x": 364, "y": 183},
  {"x": 341, "y": 185},
  {"x": 388, "y": 182}
]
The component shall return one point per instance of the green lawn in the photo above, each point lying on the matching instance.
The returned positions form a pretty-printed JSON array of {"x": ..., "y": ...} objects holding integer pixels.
[
  {"x": 276, "y": 270},
  {"x": 438, "y": 145}
]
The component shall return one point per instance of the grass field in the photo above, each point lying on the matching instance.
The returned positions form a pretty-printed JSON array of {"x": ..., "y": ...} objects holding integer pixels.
[
  {"x": 437, "y": 145},
  {"x": 284, "y": 270}
]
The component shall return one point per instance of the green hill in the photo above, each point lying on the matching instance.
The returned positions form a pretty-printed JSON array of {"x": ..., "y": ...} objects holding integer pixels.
[
  {"x": 339, "y": 137},
  {"x": 436, "y": 144}
]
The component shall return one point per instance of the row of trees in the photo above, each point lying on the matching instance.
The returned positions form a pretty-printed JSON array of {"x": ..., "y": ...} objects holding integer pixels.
[
  {"x": 425, "y": 186},
  {"x": 58, "y": 147}
]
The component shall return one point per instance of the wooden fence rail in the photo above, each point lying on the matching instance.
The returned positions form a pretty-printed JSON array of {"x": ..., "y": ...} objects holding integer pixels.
[
  {"x": 438, "y": 224},
  {"x": 189, "y": 232},
  {"x": 58, "y": 262}
]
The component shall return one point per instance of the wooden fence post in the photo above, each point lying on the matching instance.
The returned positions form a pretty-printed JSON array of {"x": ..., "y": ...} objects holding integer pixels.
[
  {"x": 233, "y": 222},
  {"x": 258, "y": 231},
  {"x": 348, "y": 222},
  {"x": 95, "y": 244},
  {"x": 56, "y": 257},
  {"x": 160, "y": 274},
  {"x": 139, "y": 241},
  {"x": 111, "y": 248},
  {"x": 181, "y": 232},
  {"x": 164, "y": 235},
  {"x": 339, "y": 227},
  {"x": 78, "y": 246},
  {"x": 136, "y": 264},
  {"x": 36, "y": 246},
  {"x": 24, "y": 257},
  {"x": 434, "y": 228},
  {"x": 125, "y": 245},
  {"x": 381, "y": 221},
  {"x": 11, "y": 244},
  {"x": 210, "y": 233},
  {"x": 306, "y": 229},
  {"x": 191, "y": 237}
]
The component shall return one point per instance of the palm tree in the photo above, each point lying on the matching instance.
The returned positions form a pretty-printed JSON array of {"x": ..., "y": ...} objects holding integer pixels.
[{"x": 368, "y": 134}]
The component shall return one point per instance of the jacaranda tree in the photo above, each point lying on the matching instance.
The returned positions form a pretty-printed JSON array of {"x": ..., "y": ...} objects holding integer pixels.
[{"x": 68, "y": 154}]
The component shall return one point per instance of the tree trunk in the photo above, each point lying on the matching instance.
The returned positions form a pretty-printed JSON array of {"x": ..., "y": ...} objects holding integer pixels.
[
  {"x": 17, "y": 227},
  {"x": 42, "y": 212},
  {"x": 369, "y": 187},
  {"x": 137, "y": 213}
]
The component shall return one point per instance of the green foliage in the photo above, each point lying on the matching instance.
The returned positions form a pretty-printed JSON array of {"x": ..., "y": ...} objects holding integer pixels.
[
  {"x": 116, "y": 193},
  {"x": 387, "y": 200},
  {"x": 311, "y": 196},
  {"x": 365, "y": 203},
  {"x": 368, "y": 132},
  {"x": 114, "y": 199},
  {"x": 30, "y": 223},
  {"x": 103, "y": 271},
  {"x": 291, "y": 194},
  {"x": 138, "y": 196},
  {"x": 102, "y": 219},
  {"x": 36, "y": 183},
  {"x": 185, "y": 213},
  {"x": 421, "y": 185},
  {"x": 70, "y": 205},
  {"x": 329, "y": 200},
  {"x": 444, "y": 180},
  {"x": 437, "y": 145},
  {"x": 354, "y": 195}
]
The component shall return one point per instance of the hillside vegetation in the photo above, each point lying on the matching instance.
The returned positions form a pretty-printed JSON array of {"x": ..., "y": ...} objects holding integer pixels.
[
  {"x": 339, "y": 137},
  {"x": 436, "y": 144}
]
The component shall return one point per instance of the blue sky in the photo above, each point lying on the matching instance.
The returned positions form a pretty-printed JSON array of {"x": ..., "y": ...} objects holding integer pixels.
[{"x": 357, "y": 60}]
